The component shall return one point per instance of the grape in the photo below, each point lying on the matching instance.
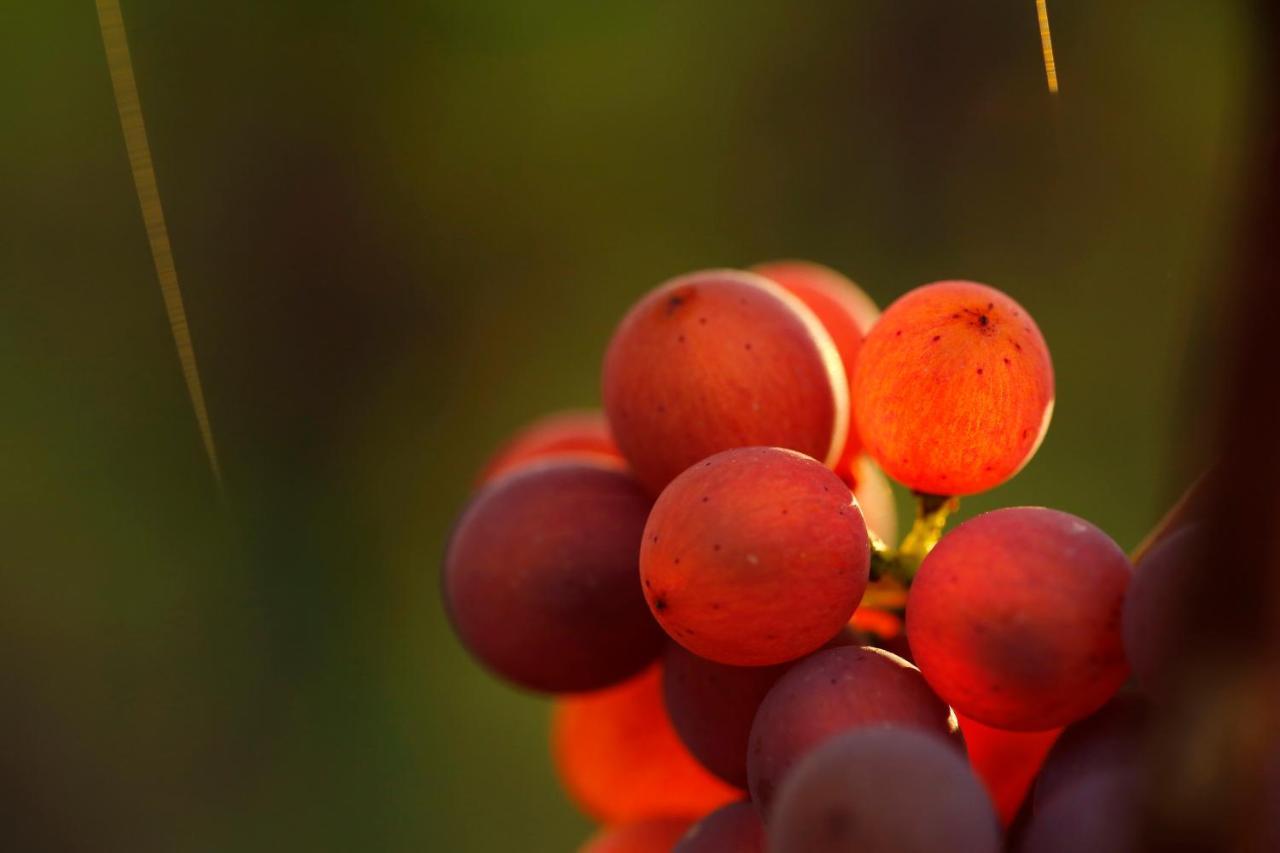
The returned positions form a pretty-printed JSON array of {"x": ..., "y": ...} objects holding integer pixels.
[
  {"x": 716, "y": 360},
  {"x": 828, "y": 693},
  {"x": 883, "y": 789},
  {"x": 1006, "y": 762},
  {"x": 953, "y": 389},
  {"x": 619, "y": 758},
  {"x": 712, "y": 705},
  {"x": 1152, "y": 608},
  {"x": 1014, "y": 618},
  {"x": 844, "y": 310},
  {"x": 1110, "y": 739},
  {"x": 754, "y": 557},
  {"x": 540, "y": 577},
  {"x": 734, "y": 828},
  {"x": 652, "y": 835},
  {"x": 1098, "y": 813},
  {"x": 574, "y": 432},
  {"x": 875, "y": 498}
]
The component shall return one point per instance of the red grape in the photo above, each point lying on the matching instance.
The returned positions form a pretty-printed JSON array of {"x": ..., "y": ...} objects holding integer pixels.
[
  {"x": 844, "y": 310},
  {"x": 953, "y": 389},
  {"x": 1098, "y": 813},
  {"x": 1006, "y": 762},
  {"x": 573, "y": 432},
  {"x": 652, "y": 835},
  {"x": 734, "y": 828},
  {"x": 828, "y": 693},
  {"x": 1014, "y": 618},
  {"x": 883, "y": 789},
  {"x": 1152, "y": 608},
  {"x": 540, "y": 577},
  {"x": 755, "y": 556},
  {"x": 712, "y": 705},
  {"x": 1110, "y": 739},
  {"x": 619, "y": 758},
  {"x": 721, "y": 359}
]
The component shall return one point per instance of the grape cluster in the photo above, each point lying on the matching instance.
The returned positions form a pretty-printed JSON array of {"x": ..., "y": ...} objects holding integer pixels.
[{"x": 707, "y": 575}]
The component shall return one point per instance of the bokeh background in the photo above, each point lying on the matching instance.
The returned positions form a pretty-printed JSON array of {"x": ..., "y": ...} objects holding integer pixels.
[{"x": 405, "y": 228}]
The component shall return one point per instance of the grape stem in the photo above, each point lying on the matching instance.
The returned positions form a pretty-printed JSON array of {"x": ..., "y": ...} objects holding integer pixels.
[{"x": 902, "y": 563}]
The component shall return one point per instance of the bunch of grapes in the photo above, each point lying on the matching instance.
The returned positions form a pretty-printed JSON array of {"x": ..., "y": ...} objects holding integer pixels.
[{"x": 708, "y": 577}]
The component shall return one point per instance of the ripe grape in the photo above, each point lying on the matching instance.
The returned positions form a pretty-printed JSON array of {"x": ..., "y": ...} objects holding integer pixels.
[
  {"x": 1152, "y": 608},
  {"x": 573, "y": 432},
  {"x": 883, "y": 789},
  {"x": 953, "y": 389},
  {"x": 1014, "y": 618},
  {"x": 734, "y": 828},
  {"x": 1098, "y": 813},
  {"x": 754, "y": 556},
  {"x": 651, "y": 835},
  {"x": 721, "y": 359},
  {"x": 1110, "y": 739},
  {"x": 844, "y": 310},
  {"x": 540, "y": 577},
  {"x": 828, "y": 693},
  {"x": 1006, "y": 762},
  {"x": 619, "y": 758},
  {"x": 712, "y": 705}
]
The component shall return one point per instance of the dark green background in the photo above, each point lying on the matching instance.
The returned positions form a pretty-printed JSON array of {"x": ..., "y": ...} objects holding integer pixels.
[{"x": 403, "y": 229}]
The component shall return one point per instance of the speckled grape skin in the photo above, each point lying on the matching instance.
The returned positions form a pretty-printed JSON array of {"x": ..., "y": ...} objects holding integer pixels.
[
  {"x": 844, "y": 310},
  {"x": 540, "y": 577},
  {"x": 754, "y": 556},
  {"x": 1014, "y": 618},
  {"x": 716, "y": 360},
  {"x": 831, "y": 692},
  {"x": 735, "y": 828},
  {"x": 883, "y": 789},
  {"x": 953, "y": 389},
  {"x": 568, "y": 433}
]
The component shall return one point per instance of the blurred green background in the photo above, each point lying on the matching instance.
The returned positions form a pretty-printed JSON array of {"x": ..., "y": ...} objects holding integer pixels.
[{"x": 405, "y": 228}]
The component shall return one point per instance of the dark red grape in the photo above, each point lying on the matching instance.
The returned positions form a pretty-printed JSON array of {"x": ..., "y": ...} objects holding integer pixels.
[
  {"x": 754, "y": 556},
  {"x": 1098, "y": 813},
  {"x": 735, "y": 828},
  {"x": 1152, "y": 608},
  {"x": 883, "y": 789},
  {"x": 541, "y": 578},
  {"x": 830, "y": 692},
  {"x": 1110, "y": 739},
  {"x": 721, "y": 359},
  {"x": 1014, "y": 618}
]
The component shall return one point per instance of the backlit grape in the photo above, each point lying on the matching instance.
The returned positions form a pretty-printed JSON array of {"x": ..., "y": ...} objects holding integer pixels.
[
  {"x": 953, "y": 389},
  {"x": 574, "y": 432}
]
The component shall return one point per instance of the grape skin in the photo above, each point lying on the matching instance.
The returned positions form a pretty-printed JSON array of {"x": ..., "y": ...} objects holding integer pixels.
[
  {"x": 652, "y": 835},
  {"x": 754, "y": 556},
  {"x": 568, "y": 433},
  {"x": 1152, "y": 617},
  {"x": 831, "y": 692},
  {"x": 883, "y": 789},
  {"x": 540, "y": 577},
  {"x": 716, "y": 360},
  {"x": 953, "y": 389},
  {"x": 1014, "y": 618},
  {"x": 734, "y": 828}
]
